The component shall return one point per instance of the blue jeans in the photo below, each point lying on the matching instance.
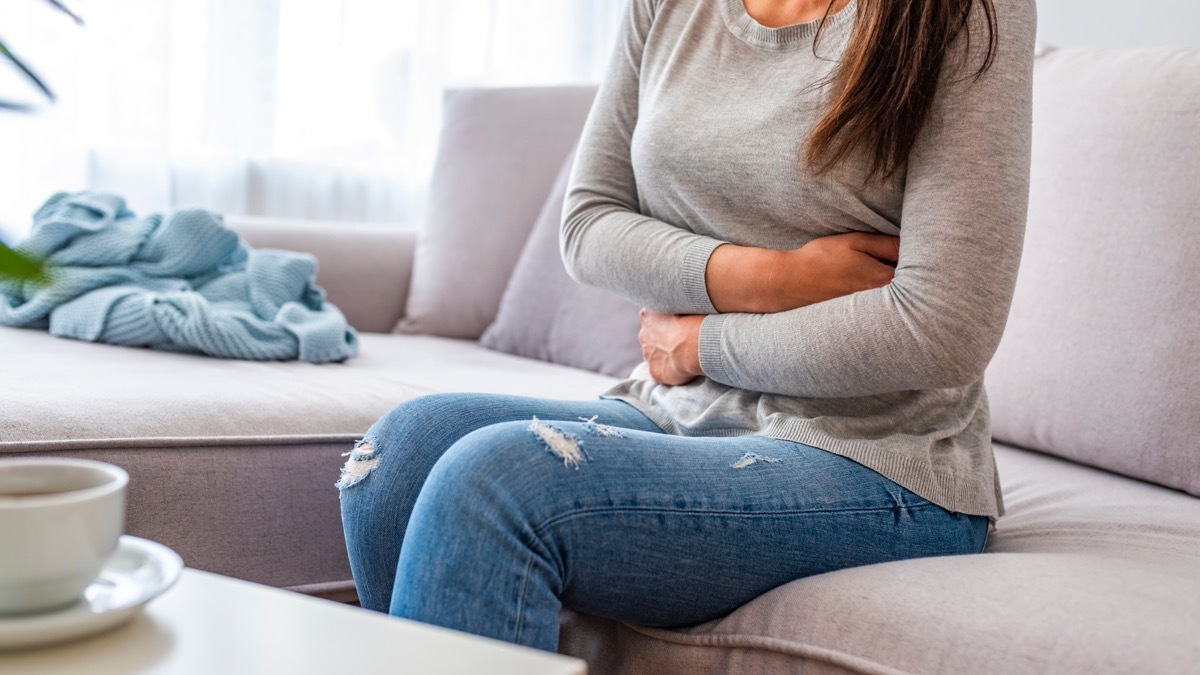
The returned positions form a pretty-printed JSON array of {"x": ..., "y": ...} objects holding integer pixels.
[{"x": 461, "y": 511}]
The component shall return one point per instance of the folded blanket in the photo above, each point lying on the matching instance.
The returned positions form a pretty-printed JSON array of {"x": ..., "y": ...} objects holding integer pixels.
[{"x": 181, "y": 282}]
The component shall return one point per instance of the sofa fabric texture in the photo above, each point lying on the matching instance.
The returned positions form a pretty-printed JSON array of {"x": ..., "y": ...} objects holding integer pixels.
[
  {"x": 547, "y": 315},
  {"x": 1099, "y": 359},
  {"x": 489, "y": 183}
]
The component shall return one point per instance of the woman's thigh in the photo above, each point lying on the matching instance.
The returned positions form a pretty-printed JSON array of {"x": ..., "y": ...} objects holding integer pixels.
[
  {"x": 652, "y": 528},
  {"x": 385, "y": 472}
]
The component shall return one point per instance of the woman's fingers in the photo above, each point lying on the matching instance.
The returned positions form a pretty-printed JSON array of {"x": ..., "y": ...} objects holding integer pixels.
[
  {"x": 670, "y": 346},
  {"x": 880, "y": 273},
  {"x": 878, "y": 246}
]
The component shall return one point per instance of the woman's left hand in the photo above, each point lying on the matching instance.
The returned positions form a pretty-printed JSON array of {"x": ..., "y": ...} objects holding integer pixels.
[{"x": 671, "y": 346}]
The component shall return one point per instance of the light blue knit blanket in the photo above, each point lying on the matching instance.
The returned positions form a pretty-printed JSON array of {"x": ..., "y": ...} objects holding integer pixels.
[{"x": 181, "y": 282}]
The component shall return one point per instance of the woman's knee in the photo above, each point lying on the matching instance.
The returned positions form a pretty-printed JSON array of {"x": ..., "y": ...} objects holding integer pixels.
[
  {"x": 406, "y": 426},
  {"x": 416, "y": 415},
  {"x": 518, "y": 464}
]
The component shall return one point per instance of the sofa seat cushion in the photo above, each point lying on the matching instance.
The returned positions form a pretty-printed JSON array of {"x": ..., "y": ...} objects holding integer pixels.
[
  {"x": 67, "y": 395},
  {"x": 1088, "y": 572}
]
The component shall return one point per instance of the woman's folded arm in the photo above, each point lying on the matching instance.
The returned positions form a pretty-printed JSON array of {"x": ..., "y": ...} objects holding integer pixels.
[{"x": 962, "y": 225}]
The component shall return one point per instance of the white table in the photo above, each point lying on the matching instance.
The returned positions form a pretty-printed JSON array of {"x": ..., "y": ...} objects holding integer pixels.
[{"x": 213, "y": 625}]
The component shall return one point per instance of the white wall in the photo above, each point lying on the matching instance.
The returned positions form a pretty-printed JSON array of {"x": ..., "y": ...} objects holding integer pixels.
[{"x": 1119, "y": 23}]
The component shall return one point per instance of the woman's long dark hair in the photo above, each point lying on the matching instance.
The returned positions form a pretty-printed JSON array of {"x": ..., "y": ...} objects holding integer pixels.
[{"x": 885, "y": 84}]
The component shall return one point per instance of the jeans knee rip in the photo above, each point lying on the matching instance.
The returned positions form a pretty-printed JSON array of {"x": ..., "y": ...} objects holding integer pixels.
[
  {"x": 752, "y": 458},
  {"x": 362, "y": 461},
  {"x": 566, "y": 447},
  {"x": 591, "y": 426}
]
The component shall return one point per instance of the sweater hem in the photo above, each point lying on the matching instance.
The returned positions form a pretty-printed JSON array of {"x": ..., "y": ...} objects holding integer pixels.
[
  {"x": 913, "y": 475},
  {"x": 919, "y": 477},
  {"x": 663, "y": 422}
]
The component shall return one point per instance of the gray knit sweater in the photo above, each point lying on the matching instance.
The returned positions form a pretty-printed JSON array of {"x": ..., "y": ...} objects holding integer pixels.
[{"x": 697, "y": 138}]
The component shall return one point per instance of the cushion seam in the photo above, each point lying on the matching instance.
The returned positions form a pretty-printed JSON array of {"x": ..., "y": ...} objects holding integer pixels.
[{"x": 757, "y": 642}]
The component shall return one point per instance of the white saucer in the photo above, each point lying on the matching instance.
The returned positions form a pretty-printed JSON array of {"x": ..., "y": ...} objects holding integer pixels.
[{"x": 138, "y": 571}]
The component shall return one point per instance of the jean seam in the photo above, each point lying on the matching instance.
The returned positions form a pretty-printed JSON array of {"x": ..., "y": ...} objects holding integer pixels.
[
  {"x": 704, "y": 512},
  {"x": 521, "y": 600}
]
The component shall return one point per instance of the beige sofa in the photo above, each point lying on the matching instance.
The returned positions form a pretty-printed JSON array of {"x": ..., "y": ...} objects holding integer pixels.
[{"x": 1095, "y": 567}]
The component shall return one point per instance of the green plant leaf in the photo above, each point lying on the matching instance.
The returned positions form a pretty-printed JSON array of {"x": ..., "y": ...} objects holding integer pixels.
[
  {"x": 4, "y": 51},
  {"x": 14, "y": 265}
]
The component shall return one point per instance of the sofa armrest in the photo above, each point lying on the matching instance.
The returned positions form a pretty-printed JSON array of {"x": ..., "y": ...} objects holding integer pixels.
[{"x": 364, "y": 268}]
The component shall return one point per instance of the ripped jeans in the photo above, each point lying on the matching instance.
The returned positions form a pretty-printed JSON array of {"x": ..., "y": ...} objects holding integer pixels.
[{"x": 461, "y": 510}]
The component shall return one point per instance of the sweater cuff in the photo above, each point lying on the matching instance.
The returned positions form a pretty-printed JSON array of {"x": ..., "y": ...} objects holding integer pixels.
[
  {"x": 712, "y": 359},
  {"x": 695, "y": 263}
]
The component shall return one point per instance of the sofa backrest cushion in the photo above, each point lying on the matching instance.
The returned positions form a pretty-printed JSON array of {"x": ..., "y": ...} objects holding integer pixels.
[
  {"x": 499, "y": 152},
  {"x": 547, "y": 315},
  {"x": 1100, "y": 361}
]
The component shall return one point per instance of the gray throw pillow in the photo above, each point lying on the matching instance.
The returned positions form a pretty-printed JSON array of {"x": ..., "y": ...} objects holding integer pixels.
[
  {"x": 548, "y": 316},
  {"x": 497, "y": 155},
  {"x": 1099, "y": 360}
]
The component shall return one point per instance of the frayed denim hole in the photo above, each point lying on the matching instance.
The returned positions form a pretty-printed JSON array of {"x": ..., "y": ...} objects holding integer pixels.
[
  {"x": 561, "y": 444},
  {"x": 591, "y": 426},
  {"x": 362, "y": 461},
  {"x": 751, "y": 458}
]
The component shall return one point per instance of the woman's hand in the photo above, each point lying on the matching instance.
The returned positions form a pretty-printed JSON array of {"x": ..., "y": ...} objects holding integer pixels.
[
  {"x": 762, "y": 281},
  {"x": 830, "y": 267},
  {"x": 671, "y": 346}
]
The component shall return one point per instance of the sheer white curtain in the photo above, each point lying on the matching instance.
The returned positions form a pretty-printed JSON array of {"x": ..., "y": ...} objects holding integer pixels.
[{"x": 323, "y": 109}]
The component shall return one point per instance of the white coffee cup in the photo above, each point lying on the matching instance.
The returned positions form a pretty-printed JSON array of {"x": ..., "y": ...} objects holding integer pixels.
[{"x": 60, "y": 520}]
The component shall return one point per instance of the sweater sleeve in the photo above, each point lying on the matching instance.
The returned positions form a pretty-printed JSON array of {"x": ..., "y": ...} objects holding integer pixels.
[
  {"x": 605, "y": 241},
  {"x": 962, "y": 227}
]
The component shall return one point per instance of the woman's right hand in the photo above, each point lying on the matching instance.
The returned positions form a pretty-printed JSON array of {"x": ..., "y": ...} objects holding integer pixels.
[
  {"x": 744, "y": 279},
  {"x": 837, "y": 265}
]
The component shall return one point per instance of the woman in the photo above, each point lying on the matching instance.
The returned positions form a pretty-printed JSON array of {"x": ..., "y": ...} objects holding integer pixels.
[{"x": 821, "y": 205}]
